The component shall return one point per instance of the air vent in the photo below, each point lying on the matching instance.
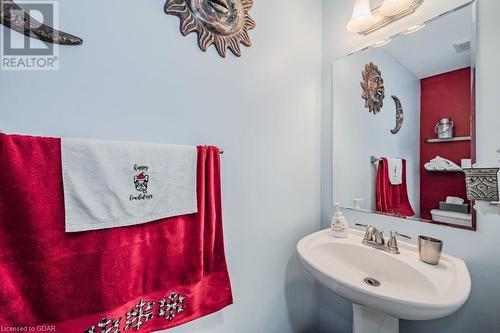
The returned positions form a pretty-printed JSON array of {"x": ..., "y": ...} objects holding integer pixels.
[{"x": 462, "y": 46}]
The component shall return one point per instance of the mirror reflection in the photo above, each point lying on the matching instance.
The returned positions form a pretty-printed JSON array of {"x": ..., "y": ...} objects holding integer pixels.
[{"x": 403, "y": 122}]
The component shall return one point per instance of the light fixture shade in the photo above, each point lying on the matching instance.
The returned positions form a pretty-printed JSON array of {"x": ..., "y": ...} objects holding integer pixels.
[
  {"x": 362, "y": 17},
  {"x": 393, "y": 7}
]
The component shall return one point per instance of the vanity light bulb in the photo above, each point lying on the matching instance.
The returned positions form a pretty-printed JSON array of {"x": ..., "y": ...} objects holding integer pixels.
[
  {"x": 362, "y": 17},
  {"x": 394, "y": 7}
]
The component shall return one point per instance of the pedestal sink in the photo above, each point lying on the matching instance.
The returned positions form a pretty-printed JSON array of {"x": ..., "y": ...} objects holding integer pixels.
[{"x": 385, "y": 287}]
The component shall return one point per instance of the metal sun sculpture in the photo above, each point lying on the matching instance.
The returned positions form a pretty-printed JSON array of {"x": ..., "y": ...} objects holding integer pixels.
[
  {"x": 223, "y": 23},
  {"x": 15, "y": 18},
  {"x": 373, "y": 88}
]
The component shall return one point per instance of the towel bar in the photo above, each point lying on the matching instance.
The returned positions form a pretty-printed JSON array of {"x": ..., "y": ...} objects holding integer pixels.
[{"x": 221, "y": 151}]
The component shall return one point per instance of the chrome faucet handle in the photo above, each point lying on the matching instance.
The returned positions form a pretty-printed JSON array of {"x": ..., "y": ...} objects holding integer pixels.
[
  {"x": 392, "y": 242},
  {"x": 400, "y": 234}
]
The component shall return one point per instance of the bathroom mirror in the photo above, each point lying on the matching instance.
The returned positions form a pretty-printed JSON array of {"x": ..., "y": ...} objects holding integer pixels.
[{"x": 424, "y": 132}]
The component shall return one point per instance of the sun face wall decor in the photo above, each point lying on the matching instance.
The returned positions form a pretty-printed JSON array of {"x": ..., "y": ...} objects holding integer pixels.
[
  {"x": 373, "y": 88},
  {"x": 224, "y": 23}
]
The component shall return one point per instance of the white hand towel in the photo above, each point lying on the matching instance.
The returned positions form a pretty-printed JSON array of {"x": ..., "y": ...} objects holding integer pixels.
[
  {"x": 112, "y": 184},
  {"x": 395, "y": 170},
  {"x": 441, "y": 164},
  {"x": 429, "y": 166}
]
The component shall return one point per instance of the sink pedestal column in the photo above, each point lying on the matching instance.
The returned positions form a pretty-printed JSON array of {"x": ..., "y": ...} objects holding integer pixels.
[{"x": 366, "y": 320}]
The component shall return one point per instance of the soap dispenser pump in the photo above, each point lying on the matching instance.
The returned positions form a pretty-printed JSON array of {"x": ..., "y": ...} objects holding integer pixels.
[{"x": 339, "y": 225}]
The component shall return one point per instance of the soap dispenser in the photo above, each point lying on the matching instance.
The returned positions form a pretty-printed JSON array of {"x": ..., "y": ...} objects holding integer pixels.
[{"x": 339, "y": 225}]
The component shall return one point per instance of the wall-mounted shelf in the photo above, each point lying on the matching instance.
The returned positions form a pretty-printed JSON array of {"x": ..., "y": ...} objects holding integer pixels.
[{"x": 454, "y": 139}]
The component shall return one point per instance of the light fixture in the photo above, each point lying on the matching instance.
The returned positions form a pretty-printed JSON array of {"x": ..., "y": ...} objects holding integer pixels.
[
  {"x": 364, "y": 21},
  {"x": 362, "y": 17},
  {"x": 413, "y": 28},
  {"x": 394, "y": 7},
  {"x": 382, "y": 42}
]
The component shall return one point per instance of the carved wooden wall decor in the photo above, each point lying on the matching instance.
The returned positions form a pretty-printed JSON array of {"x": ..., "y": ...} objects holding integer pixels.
[
  {"x": 373, "y": 88},
  {"x": 224, "y": 23},
  {"x": 399, "y": 115},
  {"x": 13, "y": 17}
]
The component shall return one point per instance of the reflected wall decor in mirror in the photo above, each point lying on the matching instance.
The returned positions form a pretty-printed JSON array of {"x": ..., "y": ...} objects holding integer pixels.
[{"x": 413, "y": 170}]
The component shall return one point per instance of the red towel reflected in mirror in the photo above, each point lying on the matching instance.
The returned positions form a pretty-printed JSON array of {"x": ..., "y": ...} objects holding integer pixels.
[{"x": 392, "y": 199}]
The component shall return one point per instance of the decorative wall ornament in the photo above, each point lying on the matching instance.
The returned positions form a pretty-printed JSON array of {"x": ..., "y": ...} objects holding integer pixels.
[
  {"x": 399, "y": 115},
  {"x": 373, "y": 88},
  {"x": 224, "y": 23},
  {"x": 13, "y": 17},
  {"x": 482, "y": 184}
]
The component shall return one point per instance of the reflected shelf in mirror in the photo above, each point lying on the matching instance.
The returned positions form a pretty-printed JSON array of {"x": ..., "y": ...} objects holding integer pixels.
[
  {"x": 407, "y": 218},
  {"x": 454, "y": 139}
]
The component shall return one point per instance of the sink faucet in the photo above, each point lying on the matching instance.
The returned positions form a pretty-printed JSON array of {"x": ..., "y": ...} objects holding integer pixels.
[
  {"x": 372, "y": 234},
  {"x": 375, "y": 238}
]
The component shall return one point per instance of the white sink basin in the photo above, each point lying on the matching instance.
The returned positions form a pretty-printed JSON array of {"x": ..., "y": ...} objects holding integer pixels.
[{"x": 409, "y": 289}]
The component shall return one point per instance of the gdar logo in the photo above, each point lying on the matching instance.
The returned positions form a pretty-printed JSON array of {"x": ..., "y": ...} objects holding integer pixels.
[{"x": 141, "y": 182}]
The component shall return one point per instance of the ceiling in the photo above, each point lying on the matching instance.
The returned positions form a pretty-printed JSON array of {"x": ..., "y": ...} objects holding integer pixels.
[{"x": 430, "y": 51}]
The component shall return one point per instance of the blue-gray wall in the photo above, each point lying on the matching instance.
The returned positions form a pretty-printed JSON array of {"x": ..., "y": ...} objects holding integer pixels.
[
  {"x": 137, "y": 78},
  {"x": 479, "y": 249}
]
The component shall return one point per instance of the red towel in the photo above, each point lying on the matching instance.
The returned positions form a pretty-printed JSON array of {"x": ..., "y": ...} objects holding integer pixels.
[
  {"x": 392, "y": 199},
  {"x": 152, "y": 276}
]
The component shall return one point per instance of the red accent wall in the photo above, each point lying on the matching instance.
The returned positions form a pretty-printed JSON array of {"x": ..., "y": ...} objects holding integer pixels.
[{"x": 445, "y": 95}]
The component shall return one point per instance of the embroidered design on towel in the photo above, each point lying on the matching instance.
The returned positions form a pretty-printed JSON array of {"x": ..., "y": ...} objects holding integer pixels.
[
  {"x": 105, "y": 326},
  {"x": 171, "y": 306},
  {"x": 141, "y": 181},
  {"x": 139, "y": 315}
]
